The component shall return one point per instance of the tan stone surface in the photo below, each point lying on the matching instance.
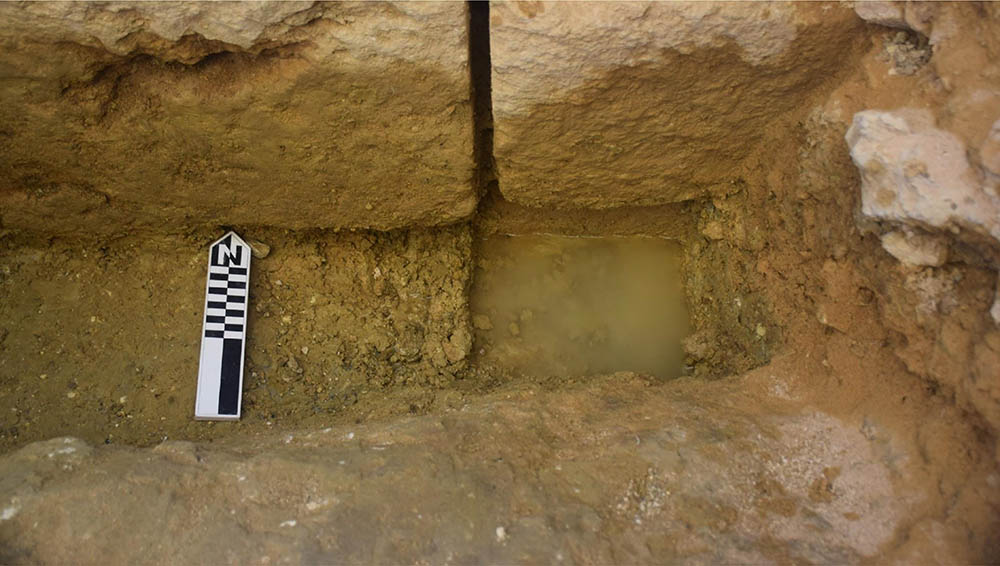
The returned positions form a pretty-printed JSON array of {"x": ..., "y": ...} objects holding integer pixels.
[
  {"x": 611, "y": 104},
  {"x": 580, "y": 476},
  {"x": 123, "y": 115}
]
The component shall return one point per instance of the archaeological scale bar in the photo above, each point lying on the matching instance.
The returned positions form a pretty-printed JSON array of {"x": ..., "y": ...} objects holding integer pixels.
[{"x": 223, "y": 337}]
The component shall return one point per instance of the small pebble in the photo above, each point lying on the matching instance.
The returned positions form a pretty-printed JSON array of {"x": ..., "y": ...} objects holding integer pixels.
[{"x": 259, "y": 249}]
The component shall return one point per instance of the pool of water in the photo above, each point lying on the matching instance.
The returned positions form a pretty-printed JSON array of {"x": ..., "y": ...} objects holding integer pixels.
[{"x": 559, "y": 306}]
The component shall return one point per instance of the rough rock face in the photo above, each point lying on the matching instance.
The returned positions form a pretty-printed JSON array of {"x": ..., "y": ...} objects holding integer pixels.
[
  {"x": 122, "y": 115},
  {"x": 916, "y": 174},
  {"x": 602, "y": 105},
  {"x": 580, "y": 476}
]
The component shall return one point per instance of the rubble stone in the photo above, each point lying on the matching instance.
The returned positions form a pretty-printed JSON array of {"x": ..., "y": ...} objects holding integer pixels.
[{"x": 913, "y": 173}]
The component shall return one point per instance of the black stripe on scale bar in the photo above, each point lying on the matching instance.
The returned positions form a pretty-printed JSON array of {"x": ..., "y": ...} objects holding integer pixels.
[
  {"x": 235, "y": 299},
  {"x": 214, "y": 334},
  {"x": 238, "y": 270},
  {"x": 211, "y": 318},
  {"x": 231, "y": 312},
  {"x": 237, "y": 284},
  {"x": 218, "y": 276},
  {"x": 216, "y": 305},
  {"x": 229, "y": 384},
  {"x": 234, "y": 327},
  {"x": 217, "y": 290}
]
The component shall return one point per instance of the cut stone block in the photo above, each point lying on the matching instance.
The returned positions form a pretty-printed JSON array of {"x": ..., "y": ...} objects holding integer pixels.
[
  {"x": 602, "y": 105},
  {"x": 432, "y": 489},
  {"x": 123, "y": 115}
]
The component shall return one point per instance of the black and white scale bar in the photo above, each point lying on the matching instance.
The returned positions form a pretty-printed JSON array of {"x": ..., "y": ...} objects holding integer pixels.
[{"x": 223, "y": 336}]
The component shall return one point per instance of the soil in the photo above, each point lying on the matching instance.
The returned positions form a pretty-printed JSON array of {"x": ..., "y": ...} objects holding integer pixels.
[{"x": 101, "y": 340}]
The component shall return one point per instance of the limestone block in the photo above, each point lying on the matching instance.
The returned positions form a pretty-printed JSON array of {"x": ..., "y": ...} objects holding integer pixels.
[
  {"x": 602, "y": 105},
  {"x": 459, "y": 487},
  {"x": 299, "y": 114},
  {"x": 916, "y": 174}
]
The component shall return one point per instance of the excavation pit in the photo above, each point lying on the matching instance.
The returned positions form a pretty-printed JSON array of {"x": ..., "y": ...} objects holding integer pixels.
[{"x": 803, "y": 195}]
